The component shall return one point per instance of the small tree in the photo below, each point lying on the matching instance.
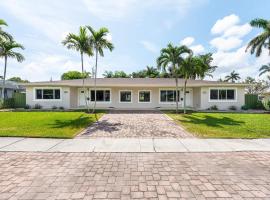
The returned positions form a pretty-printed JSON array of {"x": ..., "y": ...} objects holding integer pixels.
[
  {"x": 233, "y": 76},
  {"x": 70, "y": 75}
]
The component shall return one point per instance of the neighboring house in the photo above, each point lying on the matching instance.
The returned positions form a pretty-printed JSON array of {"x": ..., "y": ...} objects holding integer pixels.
[
  {"x": 10, "y": 88},
  {"x": 135, "y": 93}
]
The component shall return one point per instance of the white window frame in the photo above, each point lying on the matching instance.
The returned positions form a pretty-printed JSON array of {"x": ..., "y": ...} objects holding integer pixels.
[
  {"x": 172, "y": 102},
  {"x": 125, "y": 91},
  {"x": 144, "y": 91},
  {"x": 222, "y": 100},
  {"x": 47, "y": 88},
  {"x": 98, "y": 102}
]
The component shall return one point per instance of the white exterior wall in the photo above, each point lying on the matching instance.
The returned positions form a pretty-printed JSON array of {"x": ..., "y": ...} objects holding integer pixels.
[
  {"x": 222, "y": 104},
  {"x": 48, "y": 103}
]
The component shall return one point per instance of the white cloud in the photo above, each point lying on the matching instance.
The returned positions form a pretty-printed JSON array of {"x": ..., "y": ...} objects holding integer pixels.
[
  {"x": 225, "y": 44},
  {"x": 150, "y": 46},
  {"x": 225, "y": 23},
  {"x": 187, "y": 41},
  {"x": 197, "y": 49},
  {"x": 238, "y": 31}
]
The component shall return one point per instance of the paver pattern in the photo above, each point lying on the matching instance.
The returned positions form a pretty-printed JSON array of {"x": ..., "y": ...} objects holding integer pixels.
[
  {"x": 238, "y": 175},
  {"x": 149, "y": 124}
]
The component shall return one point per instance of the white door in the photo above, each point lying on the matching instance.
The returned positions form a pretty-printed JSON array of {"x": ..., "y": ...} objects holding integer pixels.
[
  {"x": 189, "y": 100},
  {"x": 84, "y": 97}
]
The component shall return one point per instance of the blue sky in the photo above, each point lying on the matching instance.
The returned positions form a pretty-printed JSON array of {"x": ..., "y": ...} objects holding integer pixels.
[{"x": 139, "y": 29}]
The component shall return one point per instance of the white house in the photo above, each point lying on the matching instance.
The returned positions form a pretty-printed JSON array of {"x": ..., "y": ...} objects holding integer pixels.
[{"x": 135, "y": 93}]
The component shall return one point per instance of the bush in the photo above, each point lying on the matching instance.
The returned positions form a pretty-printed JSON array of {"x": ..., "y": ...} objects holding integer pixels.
[
  {"x": 61, "y": 108},
  {"x": 259, "y": 105},
  {"x": 27, "y": 106},
  {"x": 244, "y": 107},
  {"x": 54, "y": 107},
  {"x": 37, "y": 106},
  {"x": 232, "y": 108},
  {"x": 214, "y": 107},
  {"x": 7, "y": 103}
]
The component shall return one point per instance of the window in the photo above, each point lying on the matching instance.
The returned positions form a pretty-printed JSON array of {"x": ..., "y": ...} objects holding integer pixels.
[
  {"x": 102, "y": 95},
  {"x": 48, "y": 94},
  {"x": 144, "y": 96},
  {"x": 222, "y": 94},
  {"x": 169, "y": 95},
  {"x": 125, "y": 96}
]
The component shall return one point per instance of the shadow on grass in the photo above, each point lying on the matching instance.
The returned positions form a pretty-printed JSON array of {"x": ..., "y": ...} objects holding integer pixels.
[
  {"x": 211, "y": 121},
  {"x": 80, "y": 122}
]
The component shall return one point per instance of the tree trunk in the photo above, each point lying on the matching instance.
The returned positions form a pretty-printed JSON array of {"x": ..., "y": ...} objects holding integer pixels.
[
  {"x": 95, "y": 82},
  {"x": 84, "y": 91},
  {"x": 185, "y": 88},
  {"x": 177, "y": 96},
  {"x": 4, "y": 80}
]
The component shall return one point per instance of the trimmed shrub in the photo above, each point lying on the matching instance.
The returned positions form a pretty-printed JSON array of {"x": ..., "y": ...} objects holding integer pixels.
[
  {"x": 54, "y": 107},
  {"x": 27, "y": 107},
  {"x": 61, "y": 108},
  {"x": 37, "y": 106},
  {"x": 232, "y": 108},
  {"x": 244, "y": 107},
  {"x": 7, "y": 103},
  {"x": 214, "y": 107}
]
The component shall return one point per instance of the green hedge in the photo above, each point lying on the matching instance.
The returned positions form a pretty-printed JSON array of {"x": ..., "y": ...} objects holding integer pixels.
[
  {"x": 7, "y": 103},
  {"x": 252, "y": 102}
]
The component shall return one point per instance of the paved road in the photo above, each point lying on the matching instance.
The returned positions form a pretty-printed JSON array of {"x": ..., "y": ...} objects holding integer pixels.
[
  {"x": 139, "y": 124},
  {"x": 238, "y": 175}
]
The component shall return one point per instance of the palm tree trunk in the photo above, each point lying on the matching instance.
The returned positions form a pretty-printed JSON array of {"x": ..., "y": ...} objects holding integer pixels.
[
  {"x": 4, "y": 80},
  {"x": 177, "y": 96},
  {"x": 185, "y": 88},
  {"x": 85, "y": 98},
  {"x": 95, "y": 82}
]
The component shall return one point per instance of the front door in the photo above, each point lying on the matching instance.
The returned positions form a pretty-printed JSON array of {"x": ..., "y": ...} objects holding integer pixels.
[{"x": 84, "y": 97}]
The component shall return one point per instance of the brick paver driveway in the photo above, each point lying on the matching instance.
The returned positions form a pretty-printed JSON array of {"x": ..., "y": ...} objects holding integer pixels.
[
  {"x": 239, "y": 175},
  {"x": 150, "y": 124}
]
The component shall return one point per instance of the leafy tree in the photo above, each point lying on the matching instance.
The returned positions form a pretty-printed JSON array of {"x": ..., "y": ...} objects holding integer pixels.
[
  {"x": 262, "y": 40},
  {"x": 98, "y": 41},
  {"x": 70, "y": 75},
  {"x": 233, "y": 76},
  {"x": 18, "y": 80},
  {"x": 7, "y": 51},
  {"x": 116, "y": 74},
  {"x": 108, "y": 74},
  {"x": 171, "y": 57},
  {"x": 256, "y": 87},
  {"x": 4, "y": 35},
  {"x": 80, "y": 43},
  {"x": 264, "y": 69},
  {"x": 139, "y": 74},
  {"x": 151, "y": 72}
]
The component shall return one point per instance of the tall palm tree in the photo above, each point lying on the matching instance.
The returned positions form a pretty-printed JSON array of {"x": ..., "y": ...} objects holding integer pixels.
[
  {"x": 264, "y": 69},
  {"x": 233, "y": 76},
  {"x": 194, "y": 67},
  {"x": 171, "y": 57},
  {"x": 98, "y": 41},
  {"x": 7, "y": 51},
  {"x": 261, "y": 40},
  {"x": 3, "y": 34},
  {"x": 80, "y": 43}
]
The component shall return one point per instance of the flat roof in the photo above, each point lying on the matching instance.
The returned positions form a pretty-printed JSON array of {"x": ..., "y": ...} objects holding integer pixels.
[{"x": 132, "y": 82}]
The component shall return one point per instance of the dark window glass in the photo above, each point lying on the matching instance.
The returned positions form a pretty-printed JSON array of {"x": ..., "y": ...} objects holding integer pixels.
[
  {"x": 92, "y": 95},
  {"x": 57, "y": 94},
  {"x": 125, "y": 96},
  {"x": 222, "y": 94},
  {"x": 100, "y": 95},
  {"x": 170, "y": 96},
  {"x": 107, "y": 95},
  {"x": 144, "y": 96},
  {"x": 230, "y": 94},
  {"x": 213, "y": 94},
  {"x": 38, "y": 94},
  {"x": 163, "y": 94},
  {"x": 47, "y": 94}
]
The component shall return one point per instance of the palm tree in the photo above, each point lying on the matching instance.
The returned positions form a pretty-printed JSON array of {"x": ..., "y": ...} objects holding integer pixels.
[
  {"x": 194, "y": 67},
  {"x": 7, "y": 51},
  {"x": 264, "y": 69},
  {"x": 98, "y": 41},
  {"x": 262, "y": 40},
  {"x": 171, "y": 57},
  {"x": 79, "y": 43},
  {"x": 151, "y": 72},
  {"x": 233, "y": 76},
  {"x": 3, "y": 34}
]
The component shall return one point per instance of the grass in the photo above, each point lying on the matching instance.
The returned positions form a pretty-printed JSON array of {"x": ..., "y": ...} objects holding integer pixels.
[
  {"x": 225, "y": 125},
  {"x": 45, "y": 124}
]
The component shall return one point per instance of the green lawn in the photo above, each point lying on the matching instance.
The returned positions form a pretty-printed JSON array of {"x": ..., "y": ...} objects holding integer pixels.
[
  {"x": 225, "y": 125},
  {"x": 45, "y": 124}
]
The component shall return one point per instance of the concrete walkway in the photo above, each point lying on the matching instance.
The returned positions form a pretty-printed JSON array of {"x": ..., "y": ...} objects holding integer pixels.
[{"x": 132, "y": 145}]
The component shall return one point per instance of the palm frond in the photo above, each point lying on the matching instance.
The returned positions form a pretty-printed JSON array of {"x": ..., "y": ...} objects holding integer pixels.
[{"x": 259, "y": 23}]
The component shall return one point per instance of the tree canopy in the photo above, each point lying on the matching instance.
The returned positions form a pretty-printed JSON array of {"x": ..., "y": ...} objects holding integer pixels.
[
  {"x": 18, "y": 80},
  {"x": 70, "y": 75}
]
